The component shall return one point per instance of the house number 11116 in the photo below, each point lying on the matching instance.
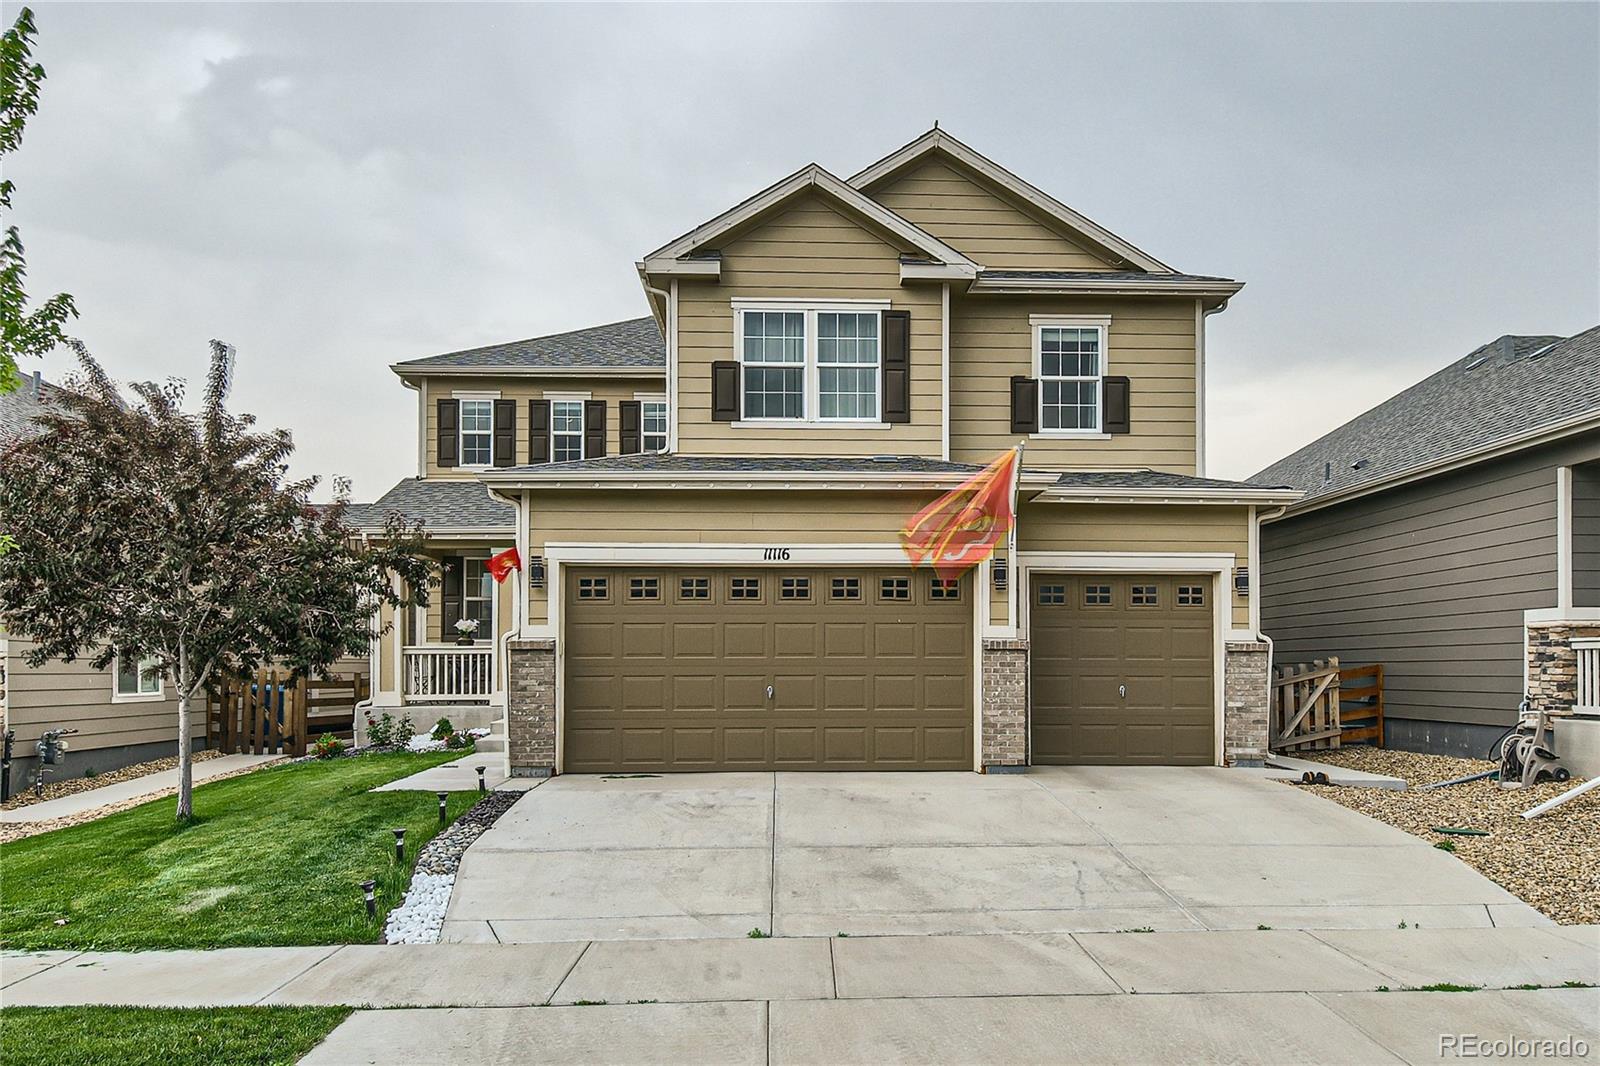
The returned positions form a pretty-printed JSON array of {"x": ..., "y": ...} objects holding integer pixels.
[{"x": 779, "y": 555}]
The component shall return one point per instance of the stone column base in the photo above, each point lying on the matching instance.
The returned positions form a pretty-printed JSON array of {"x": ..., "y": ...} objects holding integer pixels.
[
  {"x": 1245, "y": 707},
  {"x": 1004, "y": 745},
  {"x": 1553, "y": 664},
  {"x": 531, "y": 708}
]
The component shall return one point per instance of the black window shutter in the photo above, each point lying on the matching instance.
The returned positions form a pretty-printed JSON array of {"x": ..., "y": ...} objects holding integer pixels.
[
  {"x": 725, "y": 391},
  {"x": 505, "y": 433},
  {"x": 538, "y": 431},
  {"x": 1024, "y": 405},
  {"x": 1116, "y": 406},
  {"x": 594, "y": 429},
  {"x": 630, "y": 430},
  {"x": 449, "y": 429},
  {"x": 450, "y": 602},
  {"x": 897, "y": 366}
]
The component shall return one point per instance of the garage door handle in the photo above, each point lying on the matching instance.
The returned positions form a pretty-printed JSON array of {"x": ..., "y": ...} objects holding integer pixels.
[
  {"x": 769, "y": 692},
  {"x": 1122, "y": 690}
]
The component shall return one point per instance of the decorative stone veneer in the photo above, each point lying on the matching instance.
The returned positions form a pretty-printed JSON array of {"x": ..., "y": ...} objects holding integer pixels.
[
  {"x": 1553, "y": 665},
  {"x": 1245, "y": 708},
  {"x": 531, "y": 708},
  {"x": 1005, "y": 703}
]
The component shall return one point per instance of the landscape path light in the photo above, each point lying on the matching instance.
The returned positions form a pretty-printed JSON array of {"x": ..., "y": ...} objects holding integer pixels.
[
  {"x": 370, "y": 890},
  {"x": 442, "y": 797},
  {"x": 482, "y": 785},
  {"x": 399, "y": 845}
]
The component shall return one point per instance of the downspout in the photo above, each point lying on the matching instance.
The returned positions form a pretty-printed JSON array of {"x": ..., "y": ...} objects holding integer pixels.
[
  {"x": 669, "y": 299},
  {"x": 519, "y": 609},
  {"x": 1200, "y": 383},
  {"x": 1272, "y": 652}
]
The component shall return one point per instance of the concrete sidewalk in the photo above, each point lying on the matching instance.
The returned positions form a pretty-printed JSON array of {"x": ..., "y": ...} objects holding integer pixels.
[
  {"x": 1247, "y": 996},
  {"x": 123, "y": 791}
]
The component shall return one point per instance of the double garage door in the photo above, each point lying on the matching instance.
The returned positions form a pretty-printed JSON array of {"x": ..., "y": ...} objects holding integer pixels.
[{"x": 685, "y": 669}]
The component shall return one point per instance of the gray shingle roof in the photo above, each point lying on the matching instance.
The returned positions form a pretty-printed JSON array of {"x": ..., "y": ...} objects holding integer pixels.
[
  {"x": 18, "y": 408},
  {"x": 656, "y": 462},
  {"x": 1097, "y": 275},
  {"x": 635, "y": 343},
  {"x": 1506, "y": 389},
  {"x": 1149, "y": 479},
  {"x": 437, "y": 504}
]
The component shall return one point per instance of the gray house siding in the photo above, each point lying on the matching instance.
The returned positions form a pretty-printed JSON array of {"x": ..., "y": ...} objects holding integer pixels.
[
  {"x": 1431, "y": 580},
  {"x": 1586, "y": 535}
]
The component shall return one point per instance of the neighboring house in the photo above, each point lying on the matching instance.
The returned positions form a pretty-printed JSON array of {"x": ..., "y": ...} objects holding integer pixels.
[
  {"x": 1452, "y": 534},
  {"x": 709, "y": 499},
  {"x": 123, "y": 714}
]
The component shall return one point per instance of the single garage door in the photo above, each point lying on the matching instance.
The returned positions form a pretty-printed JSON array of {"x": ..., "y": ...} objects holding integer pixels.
[
  {"x": 763, "y": 669},
  {"x": 1122, "y": 669}
]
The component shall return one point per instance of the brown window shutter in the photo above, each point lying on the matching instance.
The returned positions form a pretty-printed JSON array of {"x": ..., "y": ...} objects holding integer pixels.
[
  {"x": 538, "y": 431},
  {"x": 450, "y": 602},
  {"x": 630, "y": 427},
  {"x": 897, "y": 366},
  {"x": 594, "y": 429},
  {"x": 449, "y": 430},
  {"x": 725, "y": 391},
  {"x": 1024, "y": 405},
  {"x": 505, "y": 433},
  {"x": 1116, "y": 406}
]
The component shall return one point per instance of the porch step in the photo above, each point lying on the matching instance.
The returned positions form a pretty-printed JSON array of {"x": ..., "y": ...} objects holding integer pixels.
[{"x": 496, "y": 740}]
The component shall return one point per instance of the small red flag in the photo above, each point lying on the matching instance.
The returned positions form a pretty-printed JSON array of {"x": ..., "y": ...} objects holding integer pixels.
[
  {"x": 500, "y": 566},
  {"x": 961, "y": 529}
]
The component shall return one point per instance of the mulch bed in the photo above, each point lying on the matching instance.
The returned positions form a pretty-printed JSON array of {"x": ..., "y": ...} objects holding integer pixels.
[
  {"x": 55, "y": 789},
  {"x": 1552, "y": 862}
]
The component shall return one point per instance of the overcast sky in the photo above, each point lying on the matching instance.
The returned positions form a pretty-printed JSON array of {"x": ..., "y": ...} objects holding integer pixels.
[{"x": 335, "y": 188}]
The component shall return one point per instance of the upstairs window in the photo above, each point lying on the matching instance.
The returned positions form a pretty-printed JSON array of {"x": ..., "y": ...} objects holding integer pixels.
[
  {"x": 653, "y": 419},
  {"x": 847, "y": 365},
  {"x": 774, "y": 353},
  {"x": 477, "y": 432},
  {"x": 811, "y": 365},
  {"x": 1071, "y": 364},
  {"x": 566, "y": 430}
]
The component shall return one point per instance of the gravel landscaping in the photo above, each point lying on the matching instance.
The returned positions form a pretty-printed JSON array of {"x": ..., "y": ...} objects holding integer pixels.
[
  {"x": 55, "y": 789},
  {"x": 1552, "y": 862},
  {"x": 420, "y": 916}
]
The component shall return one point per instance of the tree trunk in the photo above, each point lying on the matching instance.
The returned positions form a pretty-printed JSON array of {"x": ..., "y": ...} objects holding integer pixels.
[{"x": 185, "y": 742}]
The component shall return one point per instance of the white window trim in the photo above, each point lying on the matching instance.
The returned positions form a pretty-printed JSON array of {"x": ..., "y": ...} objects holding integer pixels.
[
  {"x": 661, "y": 398},
  {"x": 1037, "y": 324},
  {"x": 811, "y": 369},
  {"x": 118, "y": 696},
  {"x": 583, "y": 422},
  {"x": 494, "y": 602},
  {"x": 461, "y": 444}
]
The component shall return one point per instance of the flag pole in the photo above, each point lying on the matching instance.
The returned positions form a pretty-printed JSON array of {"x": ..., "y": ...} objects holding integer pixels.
[{"x": 1011, "y": 538}]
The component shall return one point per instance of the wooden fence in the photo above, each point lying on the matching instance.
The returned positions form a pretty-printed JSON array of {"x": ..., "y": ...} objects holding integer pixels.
[
  {"x": 1305, "y": 706},
  {"x": 1361, "y": 704},
  {"x": 269, "y": 713}
]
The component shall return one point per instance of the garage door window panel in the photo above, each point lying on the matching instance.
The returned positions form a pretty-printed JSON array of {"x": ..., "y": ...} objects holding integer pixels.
[
  {"x": 694, "y": 590},
  {"x": 644, "y": 588},
  {"x": 845, "y": 589}
]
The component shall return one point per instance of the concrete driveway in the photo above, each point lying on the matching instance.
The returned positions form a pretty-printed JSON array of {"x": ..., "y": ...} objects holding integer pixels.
[{"x": 1068, "y": 849}]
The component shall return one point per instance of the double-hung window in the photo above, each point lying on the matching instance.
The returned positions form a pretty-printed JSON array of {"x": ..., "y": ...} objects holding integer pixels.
[
  {"x": 477, "y": 432},
  {"x": 136, "y": 680},
  {"x": 811, "y": 364},
  {"x": 653, "y": 419},
  {"x": 477, "y": 595},
  {"x": 566, "y": 430},
  {"x": 1070, "y": 362}
]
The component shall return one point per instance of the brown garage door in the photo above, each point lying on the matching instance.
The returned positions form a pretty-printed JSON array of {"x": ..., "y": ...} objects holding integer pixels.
[
  {"x": 747, "y": 669},
  {"x": 1122, "y": 669}
]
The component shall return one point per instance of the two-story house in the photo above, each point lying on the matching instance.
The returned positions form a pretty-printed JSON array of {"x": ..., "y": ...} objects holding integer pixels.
[{"x": 709, "y": 500}]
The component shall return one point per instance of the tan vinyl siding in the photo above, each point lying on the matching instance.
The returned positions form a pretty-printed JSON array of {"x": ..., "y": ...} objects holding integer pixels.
[
  {"x": 1586, "y": 535},
  {"x": 756, "y": 518},
  {"x": 1151, "y": 341},
  {"x": 808, "y": 250},
  {"x": 981, "y": 222},
  {"x": 1133, "y": 528},
  {"x": 77, "y": 696},
  {"x": 1430, "y": 579},
  {"x": 522, "y": 389}
]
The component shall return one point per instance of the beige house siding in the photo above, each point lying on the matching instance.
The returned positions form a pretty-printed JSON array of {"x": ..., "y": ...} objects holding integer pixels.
[
  {"x": 1138, "y": 528},
  {"x": 77, "y": 696},
  {"x": 610, "y": 388},
  {"x": 963, "y": 211},
  {"x": 1151, "y": 341},
  {"x": 807, "y": 250}
]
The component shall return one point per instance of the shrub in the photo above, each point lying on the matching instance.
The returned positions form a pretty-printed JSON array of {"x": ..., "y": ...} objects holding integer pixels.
[
  {"x": 404, "y": 731},
  {"x": 442, "y": 729},
  {"x": 328, "y": 746},
  {"x": 380, "y": 731}
]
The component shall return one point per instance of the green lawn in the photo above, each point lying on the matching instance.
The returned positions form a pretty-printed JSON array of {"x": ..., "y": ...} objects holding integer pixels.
[
  {"x": 150, "y": 1036},
  {"x": 274, "y": 857}
]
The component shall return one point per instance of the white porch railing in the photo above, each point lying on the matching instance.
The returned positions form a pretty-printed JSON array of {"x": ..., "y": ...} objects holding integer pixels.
[
  {"x": 440, "y": 673},
  {"x": 1588, "y": 652}
]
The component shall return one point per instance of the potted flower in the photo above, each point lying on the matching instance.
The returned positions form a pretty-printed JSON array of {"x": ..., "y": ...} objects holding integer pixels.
[{"x": 466, "y": 630}]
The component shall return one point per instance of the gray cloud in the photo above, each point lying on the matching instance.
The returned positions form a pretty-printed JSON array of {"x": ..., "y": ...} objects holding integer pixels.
[{"x": 333, "y": 188}]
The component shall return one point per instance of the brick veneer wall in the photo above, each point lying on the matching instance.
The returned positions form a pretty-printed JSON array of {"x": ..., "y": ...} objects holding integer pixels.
[
  {"x": 1553, "y": 665},
  {"x": 1005, "y": 703},
  {"x": 531, "y": 708},
  {"x": 1245, "y": 703}
]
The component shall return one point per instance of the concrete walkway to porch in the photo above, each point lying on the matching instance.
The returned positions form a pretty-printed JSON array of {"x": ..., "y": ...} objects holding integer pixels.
[
  {"x": 1242, "y": 995},
  {"x": 123, "y": 791}
]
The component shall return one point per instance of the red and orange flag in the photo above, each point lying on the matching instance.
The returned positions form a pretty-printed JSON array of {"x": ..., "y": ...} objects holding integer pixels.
[
  {"x": 501, "y": 565},
  {"x": 961, "y": 529}
]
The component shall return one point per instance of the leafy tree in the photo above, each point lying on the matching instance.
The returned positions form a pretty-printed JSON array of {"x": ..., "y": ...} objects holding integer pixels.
[
  {"x": 22, "y": 332},
  {"x": 142, "y": 530}
]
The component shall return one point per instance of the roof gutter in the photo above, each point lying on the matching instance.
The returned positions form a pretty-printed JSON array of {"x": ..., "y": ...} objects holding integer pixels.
[
  {"x": 1076, "y": 494},
  {"x": 408, "y": 371},
  {"x": 756, "y": 479},
  {"x": 1589, "y": 420},
  {"x": 1086, "y": 287}
]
